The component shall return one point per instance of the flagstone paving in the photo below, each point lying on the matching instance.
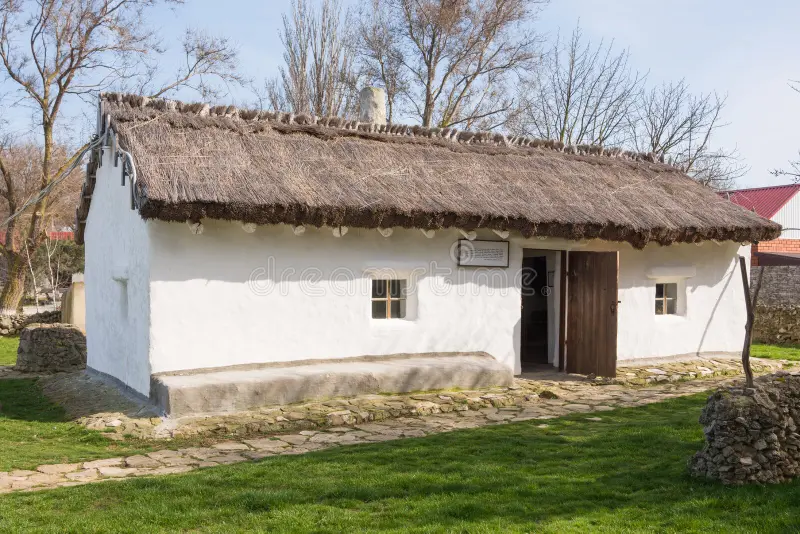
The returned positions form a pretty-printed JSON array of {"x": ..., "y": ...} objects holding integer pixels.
[
  {"x": 521, "y": 402},
  {"x": 135, "y": 421}
]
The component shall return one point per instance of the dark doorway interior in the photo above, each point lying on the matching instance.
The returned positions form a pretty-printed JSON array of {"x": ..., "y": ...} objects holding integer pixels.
[{"x": 534, "y": 348}]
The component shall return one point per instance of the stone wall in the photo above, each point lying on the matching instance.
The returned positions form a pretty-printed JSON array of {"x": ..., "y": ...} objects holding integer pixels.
[
  {"x": 780, "y": 285},
  {"x": 777, "y": 325},
  {"x": 11, "y": 326},
  {"x": 51, "y": 348},
  {"x": 778, "y": 306},
  {"x": 751, "y": 434}
]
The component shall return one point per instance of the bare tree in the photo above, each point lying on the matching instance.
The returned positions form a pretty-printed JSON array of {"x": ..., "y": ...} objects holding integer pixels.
[
  {"x": 20, "y": 179},
  {"x": 793, "y": 173},
  {"x": 52, "y": 50},
  {"x": 677, "y": 125},
  {"x": 582, "y": 94},
  {"x": 319, "y": 74},
  {"x": 380, "y": 52},
  {"x": 209, "y": 60},
  {"x": 462, "y": 56}
]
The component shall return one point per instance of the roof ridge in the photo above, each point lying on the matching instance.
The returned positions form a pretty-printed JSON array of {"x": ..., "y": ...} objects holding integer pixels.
[
  {"x": 462, "y": 137},
  {"x": 733, "y": 191}
]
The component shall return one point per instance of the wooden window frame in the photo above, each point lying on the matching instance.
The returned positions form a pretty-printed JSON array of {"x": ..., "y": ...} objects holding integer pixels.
[
  {"x": 388, "y": 299},
  {"x": 664, "y": 299}
]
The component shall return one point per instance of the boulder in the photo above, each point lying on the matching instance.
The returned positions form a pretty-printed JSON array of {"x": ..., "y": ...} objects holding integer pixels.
[{"x": 51, "y": 348}]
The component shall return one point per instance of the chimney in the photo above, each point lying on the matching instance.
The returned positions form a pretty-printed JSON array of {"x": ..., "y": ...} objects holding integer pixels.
[{"x": 372, "y": 105}]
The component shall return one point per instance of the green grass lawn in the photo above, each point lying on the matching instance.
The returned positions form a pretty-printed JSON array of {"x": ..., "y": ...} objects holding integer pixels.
[
  {"x": 34, "y": 431},
  {"x": 8, "y": 350},
  {"x": 776, "y": 352},
  {"x": 626, "y": 473}
]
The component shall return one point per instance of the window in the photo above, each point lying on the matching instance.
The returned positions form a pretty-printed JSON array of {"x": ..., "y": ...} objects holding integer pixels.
[
  {"x": 388, "y": 299},
  {"x": 667, "y": 299}
]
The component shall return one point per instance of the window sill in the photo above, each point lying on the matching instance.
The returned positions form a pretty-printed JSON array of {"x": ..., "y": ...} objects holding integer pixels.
[
  {"x": 674, "y": 318},
  {"x": 391, "y": 324}
]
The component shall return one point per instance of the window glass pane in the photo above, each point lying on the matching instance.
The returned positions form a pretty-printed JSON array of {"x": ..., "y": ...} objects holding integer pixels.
[
  {"x": 398, "y": 309},
  {"x": 672, "y": 291},
  {"x": 659, "y": 291},
  {"x": 659, "y": 307},
  {"x": 379, "y": 289},
  {"x": 671, "y": 306},
  {"x": 379, "y": 309},
  {"x": 397, "y": 288}
]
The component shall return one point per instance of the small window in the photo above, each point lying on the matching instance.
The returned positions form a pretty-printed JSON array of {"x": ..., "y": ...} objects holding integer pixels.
[
  {"x": 666, "y": 299},
  {"x": 388, "y": 299}
]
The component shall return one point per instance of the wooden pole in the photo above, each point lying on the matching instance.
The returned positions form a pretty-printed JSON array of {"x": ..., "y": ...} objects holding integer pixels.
[{"x": 748, "y": 372}]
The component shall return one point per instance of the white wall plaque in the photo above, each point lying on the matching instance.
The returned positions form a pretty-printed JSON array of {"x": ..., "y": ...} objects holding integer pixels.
[{"x": 482, "y": 253}]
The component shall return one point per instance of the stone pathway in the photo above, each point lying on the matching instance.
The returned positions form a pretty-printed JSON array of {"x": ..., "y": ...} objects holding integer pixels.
[{"x": 449, "y": 413}]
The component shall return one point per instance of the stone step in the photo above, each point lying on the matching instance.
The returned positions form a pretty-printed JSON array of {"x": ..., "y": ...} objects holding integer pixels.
[{"x": 232, "y": 390}]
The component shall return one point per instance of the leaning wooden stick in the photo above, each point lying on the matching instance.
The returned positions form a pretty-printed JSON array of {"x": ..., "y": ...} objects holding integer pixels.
[{"x": 748, "y": 372}]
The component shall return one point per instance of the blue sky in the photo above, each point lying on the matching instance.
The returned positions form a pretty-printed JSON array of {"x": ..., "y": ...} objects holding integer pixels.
[{"x": 746, "y": 49}]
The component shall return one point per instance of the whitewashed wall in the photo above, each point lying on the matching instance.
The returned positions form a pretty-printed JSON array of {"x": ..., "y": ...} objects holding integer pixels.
[
  {"x": 712, "y": 316},
  {"x": 205, "y": 312},
  {"x": 789, "y": 217},
  {"x": 117, "y": 283}
]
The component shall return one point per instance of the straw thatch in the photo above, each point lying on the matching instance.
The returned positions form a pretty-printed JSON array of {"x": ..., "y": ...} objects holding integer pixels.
[{"x": 197, "y": 162}]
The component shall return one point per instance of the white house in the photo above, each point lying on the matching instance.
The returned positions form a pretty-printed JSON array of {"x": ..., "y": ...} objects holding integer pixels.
[{"x": 222, "y": 245}]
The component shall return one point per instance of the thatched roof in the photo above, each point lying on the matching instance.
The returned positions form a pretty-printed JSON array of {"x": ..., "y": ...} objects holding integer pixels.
[{"x": 195, "y": 162}]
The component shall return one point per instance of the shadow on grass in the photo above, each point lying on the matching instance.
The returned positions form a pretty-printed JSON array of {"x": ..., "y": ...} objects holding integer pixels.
[
  {"x": 625, "y": 472},
  {"x": 22, "y": 399}
]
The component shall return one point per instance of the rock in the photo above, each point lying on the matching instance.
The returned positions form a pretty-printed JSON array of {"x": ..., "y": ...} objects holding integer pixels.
[
  {"x": 58, "y": 468},
  {"x": 344, "y": 417},
  {"x": 86, "y": 474},
  {"x": 294, "y": 439},
  {"x": 51, "y": 348},
  {"x": 578, "y": 407},
  {"x": 266, "y": 444},
  {"x": 655, "y": 371},
  {"x": 231, "y": 446},
  {"x": 108, "y": 462},
  {"x": 142, "y": 462},
  {"x": 117, "y": 472},
  {"x": 228, "y": 459},
  {"x": 20, "y": 473}
]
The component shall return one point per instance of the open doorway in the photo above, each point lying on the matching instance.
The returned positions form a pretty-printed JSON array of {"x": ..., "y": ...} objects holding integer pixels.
[{"x": 540, "y": 309}]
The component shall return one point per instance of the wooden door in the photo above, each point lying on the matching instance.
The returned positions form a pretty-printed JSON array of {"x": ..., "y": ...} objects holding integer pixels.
[{"x": 592, "y": 313}]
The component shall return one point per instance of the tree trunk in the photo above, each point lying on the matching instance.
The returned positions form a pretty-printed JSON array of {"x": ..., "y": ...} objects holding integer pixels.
[{"x": 14, "y": 289}]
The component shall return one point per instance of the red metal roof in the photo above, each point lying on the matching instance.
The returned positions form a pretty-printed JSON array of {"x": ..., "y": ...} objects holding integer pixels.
[{"x": 765, "y": 201}]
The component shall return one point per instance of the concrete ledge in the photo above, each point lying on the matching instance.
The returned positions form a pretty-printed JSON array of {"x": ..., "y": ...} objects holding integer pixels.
[
  {"x": 236, "y": 390},
  {"x": 677, "y": 358}
]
